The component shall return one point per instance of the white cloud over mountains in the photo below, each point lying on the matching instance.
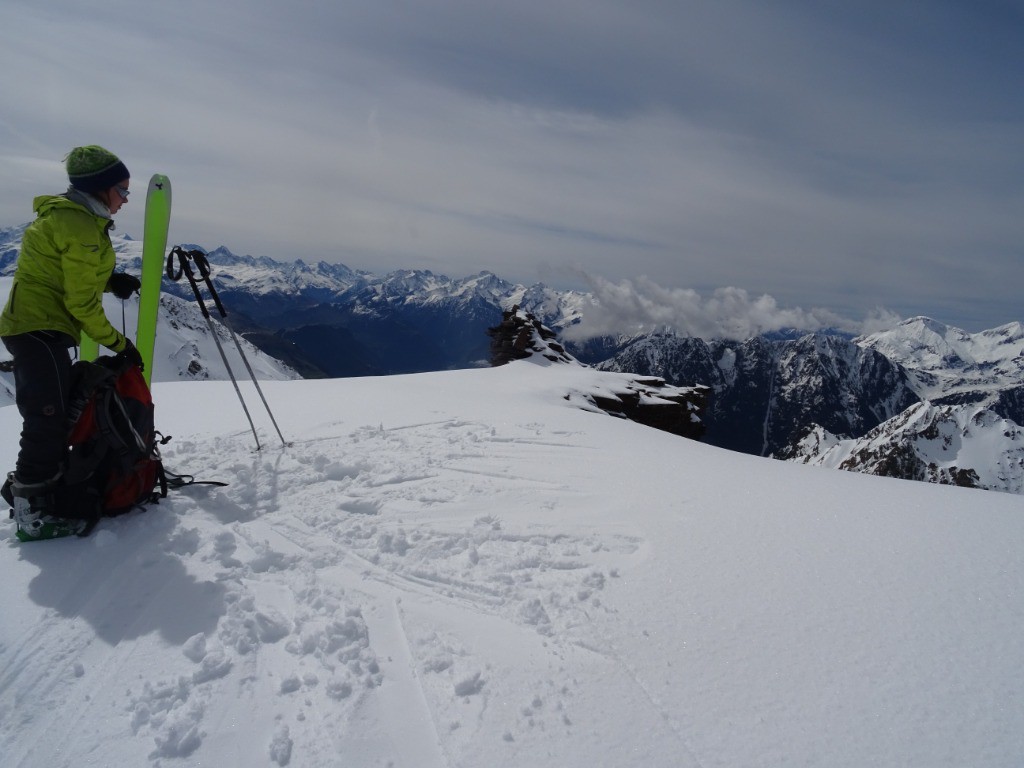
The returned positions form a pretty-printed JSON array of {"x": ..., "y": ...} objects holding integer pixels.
[{"x": 727, "y": 313}]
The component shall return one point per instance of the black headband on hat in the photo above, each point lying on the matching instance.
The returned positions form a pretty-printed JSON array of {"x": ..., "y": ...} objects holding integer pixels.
[{"x": 97, "y": 181}]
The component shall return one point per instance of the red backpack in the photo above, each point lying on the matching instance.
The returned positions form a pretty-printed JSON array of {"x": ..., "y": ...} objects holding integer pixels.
[{"x": 113, "y": 462}]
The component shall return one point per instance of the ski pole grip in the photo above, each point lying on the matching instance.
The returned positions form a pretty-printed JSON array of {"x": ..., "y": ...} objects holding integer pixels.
[
  {"x": 186, "y": 270},
  {"x": 202, "y": 263},
  {"x": 171, "y": 274}
]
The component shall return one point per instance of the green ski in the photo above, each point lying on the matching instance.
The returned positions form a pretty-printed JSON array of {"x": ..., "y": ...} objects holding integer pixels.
[
  {"x": 154, "y": 246},
  {"x": 154, "y": 249},
  {"x": 87, "y": 348}
]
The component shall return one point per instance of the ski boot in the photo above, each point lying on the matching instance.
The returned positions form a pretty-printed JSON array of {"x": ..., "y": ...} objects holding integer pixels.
[{"x": 33, "y": 511}]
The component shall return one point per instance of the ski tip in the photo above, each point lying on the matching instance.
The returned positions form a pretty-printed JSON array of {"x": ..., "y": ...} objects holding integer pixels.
[
  {"x": 159, "y": 183},
  {"x": 159, "y": 190}
]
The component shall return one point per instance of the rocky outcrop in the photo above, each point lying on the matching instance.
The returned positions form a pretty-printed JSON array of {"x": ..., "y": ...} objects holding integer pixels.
[
  {"x": 656, "y": 404},
  {"x": 645, "y": 400},
  {"x": 520, "y": 335}
]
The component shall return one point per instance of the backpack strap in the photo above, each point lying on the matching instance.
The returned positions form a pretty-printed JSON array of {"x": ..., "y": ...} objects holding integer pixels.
[
  {"x": 117, "y": 430},
  {"x": 90, "y": 381},
  {"x": 180, "y": 481},
  {"x": 161, "y": 481}
]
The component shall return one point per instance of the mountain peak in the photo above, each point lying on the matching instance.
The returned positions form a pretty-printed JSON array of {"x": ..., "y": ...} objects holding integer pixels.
[
  {"x": 922, "y": 321},
  {"x": 949, "y": 445}
]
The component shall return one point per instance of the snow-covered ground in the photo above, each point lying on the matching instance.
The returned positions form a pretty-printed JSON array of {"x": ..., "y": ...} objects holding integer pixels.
[{"x": 466, "y": 569}]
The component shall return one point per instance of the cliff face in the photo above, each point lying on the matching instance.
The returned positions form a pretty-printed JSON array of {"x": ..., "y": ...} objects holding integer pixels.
[{"x": 764, "y": 394}]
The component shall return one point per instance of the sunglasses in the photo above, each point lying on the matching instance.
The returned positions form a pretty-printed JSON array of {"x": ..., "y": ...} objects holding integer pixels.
[{"x": 122, "y": 192}]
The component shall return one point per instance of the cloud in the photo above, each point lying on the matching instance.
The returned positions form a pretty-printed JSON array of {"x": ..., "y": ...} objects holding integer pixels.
[
  {"x": 642, "y": 305},
  {"x": 879, "y": 319}
]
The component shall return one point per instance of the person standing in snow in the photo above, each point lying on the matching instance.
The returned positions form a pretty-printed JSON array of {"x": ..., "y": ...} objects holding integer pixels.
[{"x": 65, "y": 264}]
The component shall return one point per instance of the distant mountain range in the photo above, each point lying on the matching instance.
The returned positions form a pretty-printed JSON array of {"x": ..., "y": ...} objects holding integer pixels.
[
  {"x": 328, "y": 320},
  {"x": 966, "y": 429},
  {"x": 185, "y": 348},
  {"x": 821, "y": 397}
]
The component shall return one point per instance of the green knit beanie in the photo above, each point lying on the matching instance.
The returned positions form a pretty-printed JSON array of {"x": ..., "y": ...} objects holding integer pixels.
[{"x": 94, "y": 169}]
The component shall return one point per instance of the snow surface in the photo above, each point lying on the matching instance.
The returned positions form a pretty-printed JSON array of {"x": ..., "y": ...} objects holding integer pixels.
[{"x": 465, "y": 569}]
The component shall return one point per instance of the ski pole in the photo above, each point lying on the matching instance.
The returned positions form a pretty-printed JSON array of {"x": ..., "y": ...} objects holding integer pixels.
[
  {"x": 185, "y": 269},
  {"x": 204, "y": 270}
]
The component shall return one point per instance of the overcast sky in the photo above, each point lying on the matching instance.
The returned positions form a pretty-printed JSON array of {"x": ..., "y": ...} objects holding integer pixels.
[{"x": 690, "y": 161}]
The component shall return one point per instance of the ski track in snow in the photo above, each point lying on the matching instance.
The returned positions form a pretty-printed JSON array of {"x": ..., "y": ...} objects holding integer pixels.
[
  {"x": 498, "y": 578},
  {"x": 325, "y": 587}
]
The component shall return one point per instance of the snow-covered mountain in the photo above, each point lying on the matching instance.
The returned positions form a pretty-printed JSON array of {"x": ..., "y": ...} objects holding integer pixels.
[
  {"x": 969, "y": 446},
  {"x": 465, "y": 568},
  {"x": 10, "y": 243},
  {"x": 765, "y": 393},
  {"x": 965, "y": 432},
  {"x": 950, "y": 366},
  {"x": 342, "y": 323},
  {"x": 875, "y": 404},
  {"x": 185, "y": 348},
  {"x": 328, "y": 320}
]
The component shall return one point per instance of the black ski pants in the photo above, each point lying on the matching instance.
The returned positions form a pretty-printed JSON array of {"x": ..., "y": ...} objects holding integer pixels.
[{"x": 42, "y": 380}]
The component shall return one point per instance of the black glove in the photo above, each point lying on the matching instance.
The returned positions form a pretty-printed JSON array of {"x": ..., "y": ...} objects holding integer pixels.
[
  {"x": 131, "y": 355},
  {"x": 123, "y": 285}
]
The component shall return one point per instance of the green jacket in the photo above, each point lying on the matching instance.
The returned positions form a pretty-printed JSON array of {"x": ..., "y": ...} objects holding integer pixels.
[{"x": 65, "y": 261}]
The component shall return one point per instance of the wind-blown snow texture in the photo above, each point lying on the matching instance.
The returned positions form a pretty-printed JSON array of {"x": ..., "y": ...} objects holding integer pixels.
[{"x": 467, "y": 569}]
